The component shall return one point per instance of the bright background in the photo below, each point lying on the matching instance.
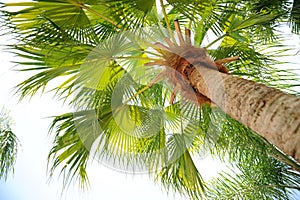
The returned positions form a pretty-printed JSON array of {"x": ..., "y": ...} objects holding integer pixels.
[{"x": 32, "y": 119}]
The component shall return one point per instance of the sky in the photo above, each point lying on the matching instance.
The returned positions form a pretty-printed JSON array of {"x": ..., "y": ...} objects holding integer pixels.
[{"x": 31, "y": 181}]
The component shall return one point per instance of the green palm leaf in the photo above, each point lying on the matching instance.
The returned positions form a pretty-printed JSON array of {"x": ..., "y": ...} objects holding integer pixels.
[
  {"x": 8, "y": 145},
  {"x": 69, "y": 151},
  {"x": 120, "y": 120}
]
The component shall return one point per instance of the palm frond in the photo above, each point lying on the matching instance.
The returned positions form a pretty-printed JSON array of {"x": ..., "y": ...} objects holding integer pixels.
[
  {"x": 69, "y": 151},
  {"x": 131, "y": 14},
  {"x": 294, "y": 17},
  {"x": 38, "y": 16},
  {"x": 52, "y": 63},
  {"x": 258, "y": 181},
  {"x": 120, "y": 120},
  {"x": 182, "y": 175},
  {"x": 258, "y": 63},
  {"x": 8, "y": 145}
]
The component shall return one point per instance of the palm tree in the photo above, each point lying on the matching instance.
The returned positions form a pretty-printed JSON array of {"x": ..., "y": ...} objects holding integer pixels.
[
  {"x": 8, "y": 145},
  {"x": 122, "y": 67}
]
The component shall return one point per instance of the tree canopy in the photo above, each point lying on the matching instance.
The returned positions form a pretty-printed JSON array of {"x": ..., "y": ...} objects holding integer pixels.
[{"x": 96, "y": 53}]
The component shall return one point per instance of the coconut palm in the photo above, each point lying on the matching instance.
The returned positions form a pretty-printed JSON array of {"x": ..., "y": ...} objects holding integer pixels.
[
  {"x": 147, "y": 97},
  {"x": 8, "y": 145}
]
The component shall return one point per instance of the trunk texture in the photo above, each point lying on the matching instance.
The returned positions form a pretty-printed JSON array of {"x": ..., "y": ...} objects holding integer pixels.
[{"x": 268, "y": 111}]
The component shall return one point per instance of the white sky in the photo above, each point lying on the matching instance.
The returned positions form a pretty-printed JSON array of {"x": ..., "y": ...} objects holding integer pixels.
[
  {"x": 31, "y": 126},
  {"x": 30, "y": 181}
]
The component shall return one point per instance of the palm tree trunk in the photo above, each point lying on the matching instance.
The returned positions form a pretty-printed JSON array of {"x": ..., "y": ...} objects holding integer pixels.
[{"x": 268, "y": 111}]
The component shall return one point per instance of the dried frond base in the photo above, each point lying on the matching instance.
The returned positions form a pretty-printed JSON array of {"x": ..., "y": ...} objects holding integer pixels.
[{"x": 179, "y": 61}]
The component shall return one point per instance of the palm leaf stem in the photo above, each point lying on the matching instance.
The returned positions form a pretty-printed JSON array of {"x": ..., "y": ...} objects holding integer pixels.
[
  {"x": 216, "y": 40},
  {"x": 285, "y": 159},
  {"x": 166, "y": 19},
  {"x": 83, "y": 6},
  {"x": 132, "y": 97}
]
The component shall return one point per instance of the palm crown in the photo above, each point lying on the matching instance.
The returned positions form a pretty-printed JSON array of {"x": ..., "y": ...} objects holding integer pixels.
[{"x": 114, "y": 57}]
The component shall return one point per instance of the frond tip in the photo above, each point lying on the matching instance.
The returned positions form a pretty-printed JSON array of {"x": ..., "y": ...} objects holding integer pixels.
[
  {"x": 183, "y": 176},
  {"x": 8, "y": 145},
  {"x": 68, "y": 152}
]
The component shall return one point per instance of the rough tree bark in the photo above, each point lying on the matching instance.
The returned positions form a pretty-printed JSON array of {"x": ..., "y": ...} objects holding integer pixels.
[{"x": 268, "y": 111}]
